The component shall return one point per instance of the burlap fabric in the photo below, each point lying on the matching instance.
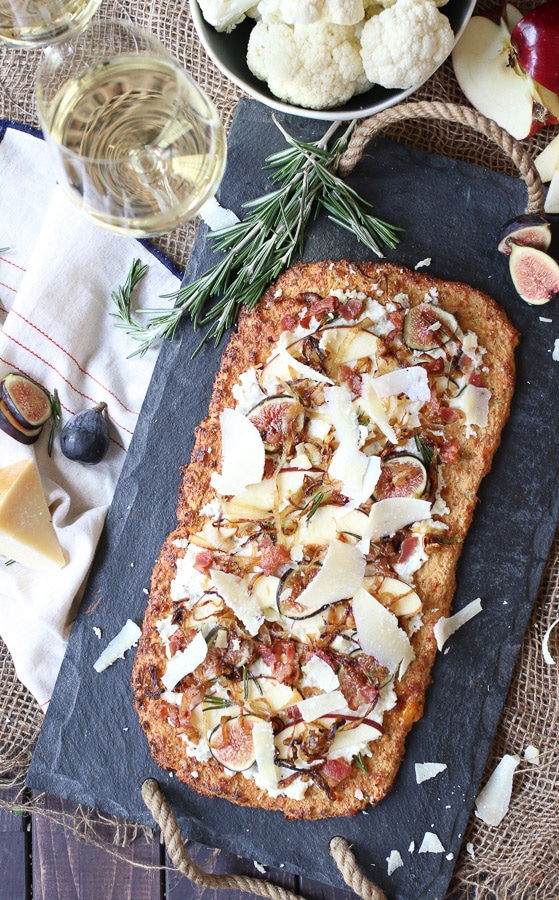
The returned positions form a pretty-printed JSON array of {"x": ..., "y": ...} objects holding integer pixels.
[{"x": 520, "y": 858}]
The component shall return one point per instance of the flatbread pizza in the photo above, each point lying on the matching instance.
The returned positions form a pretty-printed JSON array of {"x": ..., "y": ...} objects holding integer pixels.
[{"x": 289, "y": 638}]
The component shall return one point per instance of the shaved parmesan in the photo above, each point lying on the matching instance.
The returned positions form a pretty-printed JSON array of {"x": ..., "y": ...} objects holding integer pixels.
[
  {"x": 372, "y": 406},
  {"x": 445, "y": 627},
  {"x": 348, "y": 743},
  {"x": 492, "y": 802},
  {"x": 319, "y": 674},
  {"x": 235, "y": 594},
  {"x": 425, "y": 771},
  {"x": 185, "y": 661},
  {"x": 321, "y": 705},
  {"x": 411, "y": 381},
  {"x": 264, "y": 752},
  {"x": 545, "y": 644},
  {"x": 242, "y": 454},
  {"x": 127, "y": 637},
  {"x": 394, "y": 861},
  {"x": 431, "y": 843},
  {"x": 474, "y": 403},
  {"x": 341, "y": 574},
  {"x": 358, "y": 473},
  {"x": 379, "y": 633},
  {"x": 390, "y": 515}
]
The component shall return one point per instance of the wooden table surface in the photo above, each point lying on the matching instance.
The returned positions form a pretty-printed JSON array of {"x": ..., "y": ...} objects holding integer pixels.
[{"x": 43, "y": 860}]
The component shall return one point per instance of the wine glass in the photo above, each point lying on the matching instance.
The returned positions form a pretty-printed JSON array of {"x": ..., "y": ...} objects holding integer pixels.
[
  {"x": 135, "y": 142},
  {"x": 41, "y": 23}
]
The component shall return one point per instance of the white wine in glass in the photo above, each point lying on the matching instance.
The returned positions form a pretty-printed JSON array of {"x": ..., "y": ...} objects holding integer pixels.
[
  {"x": 41, "y": 23},
  {"x": 136, "y": 144}
]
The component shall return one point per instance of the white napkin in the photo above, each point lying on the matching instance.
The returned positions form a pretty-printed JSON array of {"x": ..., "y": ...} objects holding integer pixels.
[{"x": 56, "y": 280}]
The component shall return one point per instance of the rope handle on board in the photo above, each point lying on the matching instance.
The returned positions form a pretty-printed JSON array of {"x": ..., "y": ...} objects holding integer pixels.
[
  {"x": 161, "y": 812},
  {"x": 451, "y": 112}
]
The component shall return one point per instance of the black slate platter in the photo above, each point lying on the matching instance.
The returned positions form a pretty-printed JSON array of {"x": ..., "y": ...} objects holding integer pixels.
[{"x": 91, "y": 749}]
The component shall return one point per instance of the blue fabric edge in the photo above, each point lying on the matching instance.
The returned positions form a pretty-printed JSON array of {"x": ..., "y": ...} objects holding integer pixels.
[{"x": 36, "y": 132}]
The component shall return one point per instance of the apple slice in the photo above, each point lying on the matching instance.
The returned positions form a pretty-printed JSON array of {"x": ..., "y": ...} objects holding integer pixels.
[
  {"x": 547, "y": 161},
  {"x": 551, "y": 204},
  {"x": 481, "y": 66},
  {"x": 535, "y": 42},
  {"x": 492, "y": 84}
]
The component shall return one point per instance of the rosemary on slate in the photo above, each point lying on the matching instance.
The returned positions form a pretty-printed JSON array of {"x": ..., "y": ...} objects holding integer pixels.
[{"x": 256, "y": 249}]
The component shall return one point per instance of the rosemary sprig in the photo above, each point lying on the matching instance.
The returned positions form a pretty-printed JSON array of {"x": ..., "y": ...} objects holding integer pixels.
[
  {"x": 55, "y": 416},
  {"x": 257, "y": 248},
  {"x": 9, "y": 562},
  {"x": 314, "y": 503},
  {"x": 122, "y": 298},
  {"x": 216, "y": 702},
  {"x": 425, "y": 449}
]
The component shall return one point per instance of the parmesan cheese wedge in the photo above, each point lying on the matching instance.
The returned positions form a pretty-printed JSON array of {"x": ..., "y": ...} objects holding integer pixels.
[
  {"x": 264, "y": 752},
  {"x": 411, "y": 381},
  {"x": 26, "y": 530}
]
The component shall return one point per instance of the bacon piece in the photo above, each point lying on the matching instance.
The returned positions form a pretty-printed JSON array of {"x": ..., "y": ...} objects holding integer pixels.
[
  {"x": 319, "y": 309},
  {"x": 177, "y": 641},
  {"x": 335, "y": 770},
  {"x": 408, "y": 547},
  {"x": 352, "y": 309},
  {"x": 282, "y": 660},
  {"x": 203, "y": 560},
  {"x": 271, "y": 557}
]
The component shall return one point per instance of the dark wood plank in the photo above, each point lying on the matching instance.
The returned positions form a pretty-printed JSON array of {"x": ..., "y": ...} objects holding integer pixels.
[
  {"x": 218, "y": 862},
  {"x": 15, "y": 868},
  {"x": 68, "y": 868}
]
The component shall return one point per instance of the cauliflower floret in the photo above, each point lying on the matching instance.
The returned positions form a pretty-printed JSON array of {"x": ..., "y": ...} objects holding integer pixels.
[
  {"x": 225, "y": 14},
  {"x": 293, "y": 12},
  {"x": 315, "y": 66},
  {"x": 405, "y": 43}
]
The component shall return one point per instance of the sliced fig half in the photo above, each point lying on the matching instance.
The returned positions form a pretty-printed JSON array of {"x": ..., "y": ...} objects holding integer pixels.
[
  {"x": 14, "y": 429},
  {"x": 401, "y": 475},
  {"x": 278, "y": 419},
  {"x": 427, "y": 326},
  {"x": 534, "y": 274},
  {"x": 529, "y": 230},
  {"x": 291, "y": 585},
  {"x": 231, "y": 743},
  {"x": 27, "y": 401}
]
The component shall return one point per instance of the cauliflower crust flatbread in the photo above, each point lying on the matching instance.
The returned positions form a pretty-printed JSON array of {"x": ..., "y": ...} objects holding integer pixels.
[{"x": 293, "y": 698}]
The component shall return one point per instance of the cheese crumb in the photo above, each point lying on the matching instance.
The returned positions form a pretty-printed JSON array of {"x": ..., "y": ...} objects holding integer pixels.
[
  {"x": 555, "y": 354},
  {"x": 423, "y": 262},
  {"x": 431, "y": 843},
  {"x": 126, "y": 638},
  {"x": 394, "y": 861},
  {"x": 545, "y": 644},
  {"x": 470, "y": 849},
  {"x": 532, "y": 755}
]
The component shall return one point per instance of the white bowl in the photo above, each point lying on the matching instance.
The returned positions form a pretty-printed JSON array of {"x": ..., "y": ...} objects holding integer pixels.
[{"x": 228, "y": 52}]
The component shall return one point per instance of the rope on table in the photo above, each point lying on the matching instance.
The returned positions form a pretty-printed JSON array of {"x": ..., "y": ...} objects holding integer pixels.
[
  {"x": 451, "y": 112},
  {"x": 341, "y": 852}
]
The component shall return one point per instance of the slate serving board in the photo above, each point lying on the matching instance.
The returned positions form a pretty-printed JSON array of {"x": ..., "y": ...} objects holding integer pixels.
[{"x": 91, "y": 749}]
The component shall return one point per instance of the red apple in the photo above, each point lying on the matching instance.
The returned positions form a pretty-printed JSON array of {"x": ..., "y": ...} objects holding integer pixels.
[
  {"x": 535, "y": 40},
  {"x": 495, "y": 85}
]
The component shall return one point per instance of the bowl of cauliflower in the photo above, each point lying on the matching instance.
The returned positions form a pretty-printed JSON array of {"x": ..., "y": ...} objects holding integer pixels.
[{"x": 329, "y": 59}]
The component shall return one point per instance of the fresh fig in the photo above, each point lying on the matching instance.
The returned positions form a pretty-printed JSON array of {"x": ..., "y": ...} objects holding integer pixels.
[
  {"x": 428, "y": 326},
  {"x": 401, "y": 475},
  {"x": 85, "y": 437},
  {"x": 232, "y": 745},
  {"x": 27, "y": 401},
  {"x": 529, "y": 230},
  {"x": 14, "y": 429},
  {"x": 278, "y": 418},
  {"x": 534, "y": 273}
]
